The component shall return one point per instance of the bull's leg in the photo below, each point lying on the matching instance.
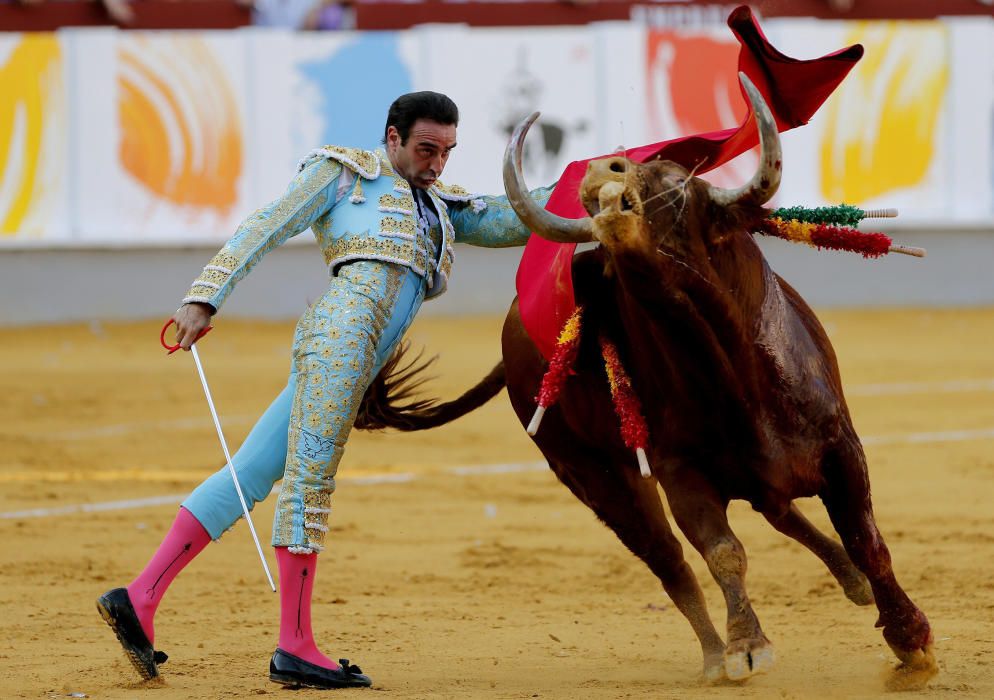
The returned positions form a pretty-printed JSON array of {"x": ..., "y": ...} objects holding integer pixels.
[
  {"x": 631, "y": 507},
  {"x": 625, "y": 502},
  {"x": 847, "y": 498},
  {"x": 700, "y": 512},
  {"x": 793, "y": 524}
]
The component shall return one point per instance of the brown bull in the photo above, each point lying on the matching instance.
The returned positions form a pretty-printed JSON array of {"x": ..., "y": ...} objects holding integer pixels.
[{"x": 738, "y": 382}]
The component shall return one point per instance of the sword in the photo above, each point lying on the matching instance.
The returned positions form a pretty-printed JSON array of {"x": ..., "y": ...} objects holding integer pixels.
[{"x": 220, "y": 435}]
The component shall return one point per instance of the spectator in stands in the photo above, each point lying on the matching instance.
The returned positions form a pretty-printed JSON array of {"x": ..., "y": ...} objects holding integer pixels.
[
  {"x": 331, "y": 14},
  {"x": 120, "y": 11},
  {"x": 286, "y": 14}
]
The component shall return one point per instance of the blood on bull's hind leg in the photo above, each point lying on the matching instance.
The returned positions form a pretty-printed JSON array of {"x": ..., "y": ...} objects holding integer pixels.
[
  {"x": 905, "y": 627},
  {"x": 700, "y": 513},
  {"x": 631, "y": 507},
  {"x": 793, "y": 524}
]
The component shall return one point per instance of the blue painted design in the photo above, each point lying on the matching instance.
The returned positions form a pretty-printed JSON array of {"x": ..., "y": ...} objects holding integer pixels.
[{"x": 357, "y": 83}]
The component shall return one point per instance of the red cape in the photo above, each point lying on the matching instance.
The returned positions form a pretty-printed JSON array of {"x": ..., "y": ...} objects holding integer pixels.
[{"x": 793, "y": 89}]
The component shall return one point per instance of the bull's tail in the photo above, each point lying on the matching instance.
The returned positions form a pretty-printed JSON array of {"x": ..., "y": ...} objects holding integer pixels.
[{"x": 390, "y": 401}]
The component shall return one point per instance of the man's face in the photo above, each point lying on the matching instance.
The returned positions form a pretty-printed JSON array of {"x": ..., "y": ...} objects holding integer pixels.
[{"x": 422, "y": 158}]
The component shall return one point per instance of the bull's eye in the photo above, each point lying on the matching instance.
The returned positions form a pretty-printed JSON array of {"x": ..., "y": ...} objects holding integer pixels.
[
  {"x": 625, "y": 204},
  {"x": 617, "y": 167}
]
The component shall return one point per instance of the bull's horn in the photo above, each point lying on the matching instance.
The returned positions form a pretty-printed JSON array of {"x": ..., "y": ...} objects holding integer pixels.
[
  {"x": 545, "y": 224},
  {"x": 764, "y": 183}
]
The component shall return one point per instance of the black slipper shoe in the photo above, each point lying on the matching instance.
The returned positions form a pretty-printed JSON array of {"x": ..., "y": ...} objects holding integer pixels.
[
  {"x": 116, "y": 609},
  {"x": 292, "y": 671}
]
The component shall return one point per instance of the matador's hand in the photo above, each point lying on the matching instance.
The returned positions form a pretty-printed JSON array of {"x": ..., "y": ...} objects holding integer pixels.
[{"x": 190, "y": 320}]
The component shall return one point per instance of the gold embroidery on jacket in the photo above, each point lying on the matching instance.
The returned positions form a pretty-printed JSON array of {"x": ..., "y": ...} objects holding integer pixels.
[
  {"x": 400, "y": 205},
  {"x": 354, "y": 247},
  {"x": 226, "y": 260},
  {"x": 405, "y": 228},
  {"x": 266, "y": 229},
  {"x": 453, "y": 193},
  {"x": 367, "y": 161}
]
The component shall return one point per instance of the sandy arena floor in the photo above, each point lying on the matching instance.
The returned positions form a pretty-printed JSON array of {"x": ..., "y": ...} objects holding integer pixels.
[{"x": 455, "y": 583}]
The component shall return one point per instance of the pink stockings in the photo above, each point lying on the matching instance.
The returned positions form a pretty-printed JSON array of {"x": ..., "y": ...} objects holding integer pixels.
[
  {"x": 185, "y": 540},
  {"x": 296, "y": 584}
]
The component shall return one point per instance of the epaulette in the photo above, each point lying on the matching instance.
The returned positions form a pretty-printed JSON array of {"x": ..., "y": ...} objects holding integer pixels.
[
  {"x": 364, "y": 163},
  {"x": 455, "y": 193}
]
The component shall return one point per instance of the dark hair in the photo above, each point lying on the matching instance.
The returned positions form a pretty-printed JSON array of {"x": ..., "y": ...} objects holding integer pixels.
[{"x": 408, "y": 108}]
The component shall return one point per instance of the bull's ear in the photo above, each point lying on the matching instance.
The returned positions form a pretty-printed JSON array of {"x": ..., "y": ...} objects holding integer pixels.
[
  {"x": 743, "y": 215},
  {"x": 766, "y": 180}
]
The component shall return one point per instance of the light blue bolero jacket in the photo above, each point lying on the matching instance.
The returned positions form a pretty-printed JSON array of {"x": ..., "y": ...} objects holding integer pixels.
[{"x": 366, "y": 213}]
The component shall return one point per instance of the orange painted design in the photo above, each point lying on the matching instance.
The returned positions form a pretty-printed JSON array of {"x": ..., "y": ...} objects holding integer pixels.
[
  {"x": 882, "y": 129},
  {"x": 700, "y": 73},
  {"x": 181, "y": 129},
  {"x": 30, "y": 96},
  {"x": 693, "y": 88}
]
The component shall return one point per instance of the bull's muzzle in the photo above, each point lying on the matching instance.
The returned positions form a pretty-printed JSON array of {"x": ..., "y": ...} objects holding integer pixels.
[{"x": 616, "y": 197}]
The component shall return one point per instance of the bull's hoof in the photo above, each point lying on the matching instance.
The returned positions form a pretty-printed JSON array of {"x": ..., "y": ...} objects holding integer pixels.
[
  {"x": 747, "y": 657},
  {"x": 857, "y": 588},
  {"x": 916, "y": 669},
  {"x": 714, "y": 669}
]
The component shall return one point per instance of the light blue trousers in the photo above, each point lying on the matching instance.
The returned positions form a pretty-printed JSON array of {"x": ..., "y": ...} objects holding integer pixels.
[{"x": 340, "y": 344}]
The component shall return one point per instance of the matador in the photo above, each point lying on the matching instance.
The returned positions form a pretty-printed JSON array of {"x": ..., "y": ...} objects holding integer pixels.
[{"x": 386, "y": 227}]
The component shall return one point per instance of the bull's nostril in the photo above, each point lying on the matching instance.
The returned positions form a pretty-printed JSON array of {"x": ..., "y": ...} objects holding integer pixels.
[{"x": 617, "y": 167}]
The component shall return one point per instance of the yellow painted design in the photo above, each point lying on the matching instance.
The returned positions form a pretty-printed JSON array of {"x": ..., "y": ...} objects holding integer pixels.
[
  {"x": 181, "y": 129},
  {"x": 30, "y": 93},
  {"x": 882, "y": 132}
]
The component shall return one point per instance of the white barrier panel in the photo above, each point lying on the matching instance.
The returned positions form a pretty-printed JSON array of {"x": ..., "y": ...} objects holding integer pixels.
[
  {"x": 310, "y": 90},
  {"x": 498, "y": 77},
  {"x": 880, "y": 140},
  {"x": 692, "y": 87},
  {"x": 142, "y": 137},
  {"x": 160, "y": 151},
  {"x": 971, "y": 129}
]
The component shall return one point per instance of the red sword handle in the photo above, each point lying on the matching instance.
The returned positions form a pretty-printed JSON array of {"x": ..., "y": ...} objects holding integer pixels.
[{"x": 174, "y": 348}]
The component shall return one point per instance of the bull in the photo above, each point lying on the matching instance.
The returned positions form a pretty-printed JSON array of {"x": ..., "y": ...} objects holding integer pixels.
[{"x": 738, "y": 381}]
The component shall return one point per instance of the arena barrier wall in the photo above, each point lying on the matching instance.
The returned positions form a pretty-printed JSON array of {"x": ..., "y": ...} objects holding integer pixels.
[{"x": 129, "y": 157}]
